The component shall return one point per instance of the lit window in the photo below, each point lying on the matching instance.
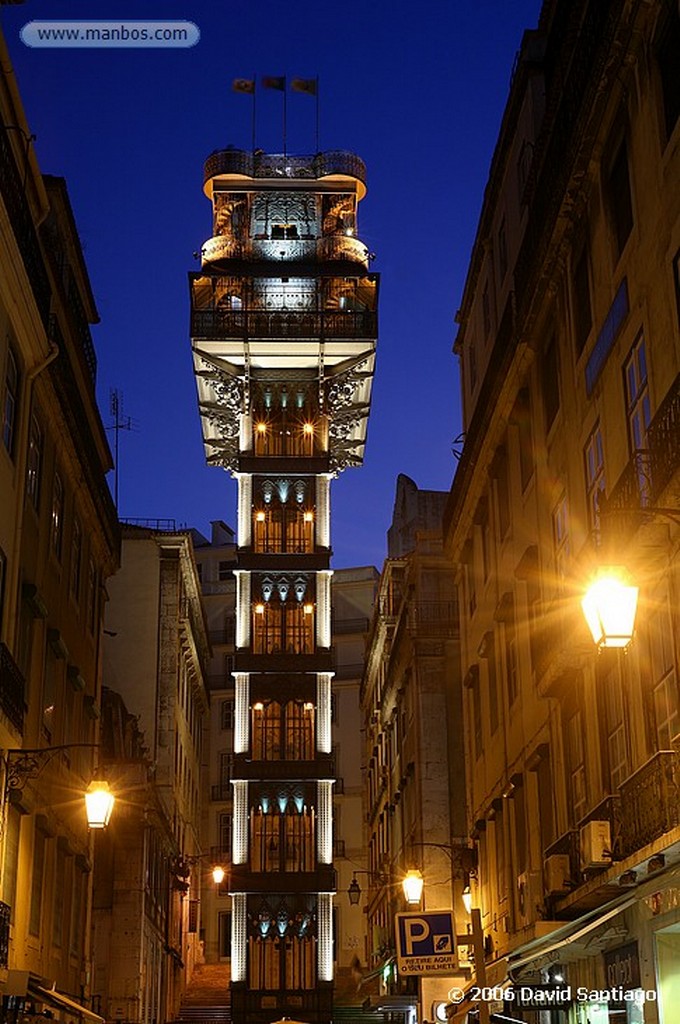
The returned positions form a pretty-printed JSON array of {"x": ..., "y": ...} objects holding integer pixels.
[
  {"x": 11, "y": 401},
  {"x": 76, "y": 557},
  {"x": 57, "y": 518},
  {"x": 34, "y": 462},
  {"x": 595, "y": 478}
]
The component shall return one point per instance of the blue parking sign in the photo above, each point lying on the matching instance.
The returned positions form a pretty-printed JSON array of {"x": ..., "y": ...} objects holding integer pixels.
[{"x": 426, "y": 943}]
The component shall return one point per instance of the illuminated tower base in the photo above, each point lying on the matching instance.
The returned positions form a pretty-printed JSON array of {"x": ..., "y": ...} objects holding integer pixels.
[{"x": 284, "y": 325}]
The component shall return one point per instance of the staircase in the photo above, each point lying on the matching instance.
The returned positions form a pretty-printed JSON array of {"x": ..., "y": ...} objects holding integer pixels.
[{"x": 206, "y": 1000}]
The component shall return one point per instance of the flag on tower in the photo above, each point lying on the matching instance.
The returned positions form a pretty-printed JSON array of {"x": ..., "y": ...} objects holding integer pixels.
[
  {"x": 274, "y": 83},
  {"x": 243, "y": 85},
  {"x": 308, "y": 85}
]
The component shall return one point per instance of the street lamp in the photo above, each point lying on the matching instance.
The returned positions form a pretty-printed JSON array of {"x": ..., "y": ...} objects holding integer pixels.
[
  {"x": 99, "y": 801},
  {"x": 609, "y": 607},
  {"x": 413, "y": 886},
  {"x": 22, "y": 764},
  {"x": 467, "y": 899}
]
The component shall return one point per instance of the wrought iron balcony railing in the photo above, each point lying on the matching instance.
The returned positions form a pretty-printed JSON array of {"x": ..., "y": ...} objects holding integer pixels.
[
  {"x": 278, "y": 165},
  {"x": 228, "y": 323},
  {"x": 12, "y": 688},
  {"x": 650, "y": 469},
  {"x": 301, "y": 250},
  {"x": 650, "y": 802}
]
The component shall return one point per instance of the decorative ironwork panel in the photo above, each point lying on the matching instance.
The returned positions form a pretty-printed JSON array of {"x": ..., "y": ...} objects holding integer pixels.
[
  {"x": 5, "y": 914},
  {"x": 650, "y": 801},
  {"x": 12, "y": 687}
]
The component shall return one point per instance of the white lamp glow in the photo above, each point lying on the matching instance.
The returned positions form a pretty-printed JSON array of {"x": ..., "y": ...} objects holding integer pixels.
[
  {"x": 467, "y": 899},
  {"x": 218, "y": 874},
  {"x": 609, "y": 607},
  {"x": 99, "y": 801},
  {"x": 413, "y": 886}
]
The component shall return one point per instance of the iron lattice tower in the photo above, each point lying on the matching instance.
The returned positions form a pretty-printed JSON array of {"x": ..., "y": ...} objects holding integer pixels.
[{"x": 284, "y": 328}]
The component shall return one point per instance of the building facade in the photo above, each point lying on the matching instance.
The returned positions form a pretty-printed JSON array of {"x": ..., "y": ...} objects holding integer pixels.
[
  {"x": 353, "y": 597},
  {"x": 569, "y": 343},
  {"x": 58, "y": 544},
  {"x": 415, "y": 770},
  {"x": 147, "y": 939},
  {"x": 216, "y": 562},
  {"x": 283, "y": 324}
]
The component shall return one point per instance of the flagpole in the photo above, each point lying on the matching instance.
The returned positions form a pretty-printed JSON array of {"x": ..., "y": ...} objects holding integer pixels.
[
  {"x": 254, "y": 122},
  {"x": 285, "y": 90},
  {"x": 318, "y": 149}
]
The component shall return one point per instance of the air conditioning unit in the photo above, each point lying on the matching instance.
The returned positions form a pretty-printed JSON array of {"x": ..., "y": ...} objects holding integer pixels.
[
  {"x": 557, "y": 874},
  {"x": 529, "y": 896},
  {"x": 596, "y": 845}
]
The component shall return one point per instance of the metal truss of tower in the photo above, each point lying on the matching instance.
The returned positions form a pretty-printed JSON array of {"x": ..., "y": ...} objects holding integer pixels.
[{"x": 284, "y": 327}]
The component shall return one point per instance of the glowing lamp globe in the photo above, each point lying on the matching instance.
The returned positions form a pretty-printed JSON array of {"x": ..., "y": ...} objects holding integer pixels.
[
  {"x": 609, "y": 607},
  {"x": 413, "y": 886},
  {"x": 218, "y": 874},
  {"x": 99, "y": 801},
  {"x": 467, "y": 899}
]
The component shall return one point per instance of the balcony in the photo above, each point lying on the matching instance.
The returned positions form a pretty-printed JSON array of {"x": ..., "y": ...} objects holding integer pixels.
[
  {"x": 650, "y": 801},
  {"x": 242, "y": 879},
  {"x": 12, "y": 688},
  {"x": 243, "y": 163},
  {"x": 649, "y": 470},
  {"x": 340, "y": 253},
  {"x": 433, "y": 618},
  {"x": 283, "y": 323}
]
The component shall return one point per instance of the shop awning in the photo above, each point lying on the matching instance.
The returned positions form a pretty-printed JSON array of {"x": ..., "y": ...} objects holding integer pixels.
[
  {"x": 568, "y": 936},
  {"x": 62, "y": 1002}
]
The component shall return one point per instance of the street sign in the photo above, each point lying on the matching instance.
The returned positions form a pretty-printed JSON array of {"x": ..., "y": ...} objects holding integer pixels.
[{"x": 426, "y": 943}]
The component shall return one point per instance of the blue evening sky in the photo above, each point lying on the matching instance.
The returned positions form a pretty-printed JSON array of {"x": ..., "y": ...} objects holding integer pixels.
[{"x": 416, "y": 89}]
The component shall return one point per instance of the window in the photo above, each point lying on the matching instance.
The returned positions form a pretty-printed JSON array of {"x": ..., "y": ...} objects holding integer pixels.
[
  {"x": 595, "y": 477},
  {"x": 224, "y": 825},
  {"x": 561, "y": 541},
  {"x": 57, "y": 519},
  {"x": 500, "y": 473},
  {"x": 224, "y": 926},
  {"x": 35, "y": 912},
  {"x": 526, "y": 157},
  {"x": 550, "y": 384},
  {"x": 284, "y": 231},
  {"x": 502, "y": 251},
  {"x": 486, "y": 312},
  {"x": 224, "y": 571},
  {"x": 92, "y": 586},
  {"x": 58, "y": 897},
  {"x": 576, "y": 767},
  {"x": 227, "y": 714},
  {"x": 3, "y": 573},
  {"x": 34, "y": 462},
  {"x": 473, "y": 367},
  {"x": 668, "y": 48},
  {"x": 76, "y": 558},
  {"x": 619, "y": 200},
  {"x": 501, "y": 860},
  {"x": 511, "y": 655},
  {"x": 664, "y": 690},
  {"x": 546, "y": 801},
  {"x": 49, "y": 693},
  {"x": 11, "y": 403},
  {"x": 616, "y": 738},
  {"x": 522, "y": 420},
  {"x": 637, "y": 395},
  {"x": 488, "y": 652},
  {"x": 582, "y": 315},
  {"x": 472, "y": 684}
]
